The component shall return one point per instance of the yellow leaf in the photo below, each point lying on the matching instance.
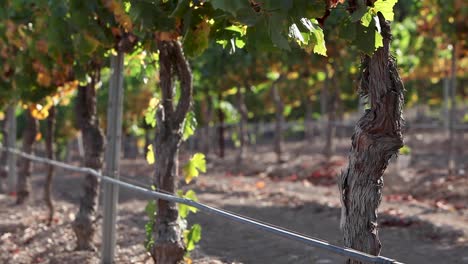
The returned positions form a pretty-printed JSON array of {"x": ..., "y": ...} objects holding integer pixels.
[
  {"x": 231, "y": 91},
  {"x": 39, "y": 112},
  {"x": 2, "y": 115},
  {"x": 150, "y": 155},
  {"x": 188, "y": 260},
  {"x": 292, "y": 75},
  {"x": 153, "y": 102},
  {"x": 38, "y": 136}
]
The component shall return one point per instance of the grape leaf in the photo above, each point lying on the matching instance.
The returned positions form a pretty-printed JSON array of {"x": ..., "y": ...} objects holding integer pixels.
[
  {"x": 366, "y": 18},
  {"x": 275, "y": 23},
  {"x": 316, "y": 36},
  {"x": 386, "y": 8},
  {"x": 365, "y": 39},
  {"x": 357, "y": 15},
  {"x": 193, "y": 236},
  {"x": 150, "y": 155},
  {"x": 190, "y": 124},
  {"x": 196, "y": 40},
  {"x": 378, "y": 40},
  {"x": 184, "y": 209},
  {"x": 193, "y": 167},
  {"x": 230, "y": 6}
]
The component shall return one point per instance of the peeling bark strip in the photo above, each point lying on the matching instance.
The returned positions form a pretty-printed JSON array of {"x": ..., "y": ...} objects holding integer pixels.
[
  {"x": 93, "y": 142},
  {"x": 23, "y": 187},
  {"x": 169, "y": 247},
  {"x": 50, "y": 169},
  {"x": 377, "y": 137}
]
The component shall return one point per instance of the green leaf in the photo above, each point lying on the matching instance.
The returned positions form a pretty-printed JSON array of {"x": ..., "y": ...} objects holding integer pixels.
[
  {"x": 230, "y": 6},
  {"x": 196, "y": 39},
  {"x": 190, "y": 194},
  {"x": 321, "y": 76},
  {"x": 275, "y": 23},
  {"x": 386, "y": 8},
  {"x": 230, "y": 112},
  {"x": 150, "y": 155},
  {"x": 194, "y": 166},
  {"x": 405, "y": 150},
  {"x": 378, "y": 40},
  {"x": 150, "y": 117},
  {"x": 240, "y": 43},
  {"x": 247, "y": 16},
  {"x": 357, "y": 15},
  {"x": 150, "y": 209},
  {"x": 190, "y": 124},
  {"x": 258, "y": 37},
  {"x": 367, "y": 18},
  {"x": 193, "y": 237},
  {"x": 348, "y": 31},
  {"x": 287, "y": 110},
  {"x": 181, "y": 8},
  {"x": 317, "y": 38},
  {"x": 240, "y": 30},
  {"x": 184, "y": 209}
]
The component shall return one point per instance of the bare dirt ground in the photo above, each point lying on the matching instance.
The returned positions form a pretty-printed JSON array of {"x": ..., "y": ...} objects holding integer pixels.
[{"x": 423, "y": 217}]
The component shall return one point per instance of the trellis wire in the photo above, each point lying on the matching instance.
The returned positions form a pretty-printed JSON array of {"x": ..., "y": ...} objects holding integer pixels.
[{"x": 314, "y": 242}]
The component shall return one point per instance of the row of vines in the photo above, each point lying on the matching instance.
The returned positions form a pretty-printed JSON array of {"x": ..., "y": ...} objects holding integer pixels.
[{"x": 238, "y": 61}]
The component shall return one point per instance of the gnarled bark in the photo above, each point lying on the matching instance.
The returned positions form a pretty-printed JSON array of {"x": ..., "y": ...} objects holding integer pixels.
[
  {"x": 23, "y": 187},
  {"x": 377, "y": 137},
  {"x": 50, "y": 169},
  {"x": 169, "y": 247},
  {"x": 93, "y": 143}
]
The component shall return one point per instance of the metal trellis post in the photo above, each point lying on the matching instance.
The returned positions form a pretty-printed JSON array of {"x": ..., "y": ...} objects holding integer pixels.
[{"x": 112, "y": 156}]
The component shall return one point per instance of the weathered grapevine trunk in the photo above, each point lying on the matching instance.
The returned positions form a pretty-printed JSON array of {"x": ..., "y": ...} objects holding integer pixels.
[
  {"x": 452, "y": 164},
  {"x": 169, "y": 247},
  {"x": 50, "y": 169},
  {"x": 279, "y": 120},
  {"x": 242, "y": 108},
  {"x": 221, "y": 127},
  {"x": 93, "y": 143},
  {"x": 377, "y": 137},
  {"x": 23, "y": 187},
  {"x": 330, "y": 129}
]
